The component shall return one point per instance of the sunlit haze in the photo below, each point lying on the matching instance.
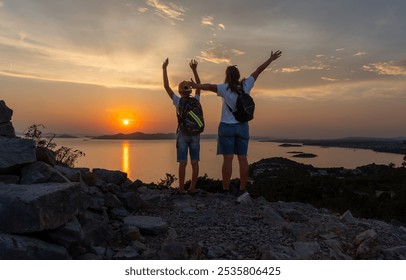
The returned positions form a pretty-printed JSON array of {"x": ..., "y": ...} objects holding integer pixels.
[{"x": 95, "y": 67}]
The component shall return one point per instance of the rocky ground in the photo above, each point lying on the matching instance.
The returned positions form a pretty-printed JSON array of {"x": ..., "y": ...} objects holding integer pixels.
[
  {"x": 106, "y": 216},
  {"x": 54, "y": 212},
  {"x": 215, "y": 226}
]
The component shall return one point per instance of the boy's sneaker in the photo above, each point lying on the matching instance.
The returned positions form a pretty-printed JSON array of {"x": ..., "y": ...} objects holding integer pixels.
[
  {"x": 222, "y": 191},
  {"x": 242, "y": 195}
]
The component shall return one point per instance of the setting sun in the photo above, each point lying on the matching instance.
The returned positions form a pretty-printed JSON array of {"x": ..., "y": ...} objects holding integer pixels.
[{"x": 126, "y": 122}]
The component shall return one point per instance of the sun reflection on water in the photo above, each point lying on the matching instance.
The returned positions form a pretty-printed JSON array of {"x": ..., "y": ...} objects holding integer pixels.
[{"x": 125, "y": 163}]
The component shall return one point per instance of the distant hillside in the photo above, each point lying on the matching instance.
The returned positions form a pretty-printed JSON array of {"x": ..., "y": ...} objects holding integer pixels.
[
  {"x": 145, "y": 136},
  {"x": 138, "y": 136},
  {"x": 65, "y": 136},
  {"x": 386, "y": 145}
]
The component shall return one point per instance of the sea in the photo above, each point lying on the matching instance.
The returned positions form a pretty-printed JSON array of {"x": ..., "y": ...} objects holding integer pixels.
[{"x": 150, "y": 160}]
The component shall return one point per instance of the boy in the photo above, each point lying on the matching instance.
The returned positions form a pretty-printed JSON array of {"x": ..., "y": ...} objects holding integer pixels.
[{"x": 185, "y": 141}]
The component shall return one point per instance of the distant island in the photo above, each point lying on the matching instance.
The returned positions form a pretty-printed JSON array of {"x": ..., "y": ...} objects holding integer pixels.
[
  {"x": 288, "y": 145},
  {"x": 298, "y": 154},
  {"x": 385, "y": 145},
  {"x": 138, "y": 136},
  {"x": 305, "y": 155},
  {"x": 65, "y": 136},
  {"x": 146, "y": 136}
]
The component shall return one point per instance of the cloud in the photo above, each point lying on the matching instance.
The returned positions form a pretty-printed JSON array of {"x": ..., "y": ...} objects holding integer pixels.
[
  {"x": 207, "y": 20},
  {"x": 170, "y": 11},
  {"x": 387, "y": 68},
  {"x": 142, "y": 10},
  {"x": 12, "y": 73},
  {"x": 360, "y": 53},
  {"x": 317, "y": 65},
  {"x": 216, "y": 54},
  {"x": 330, "y": 79},
  {"x": 45, "y": 62},
  {"x": 289, "y": 70},
  {"x": 237, "y": 52}
]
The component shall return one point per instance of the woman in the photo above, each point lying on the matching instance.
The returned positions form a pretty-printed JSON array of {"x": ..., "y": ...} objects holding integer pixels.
[{"x": 233, "y": 136}]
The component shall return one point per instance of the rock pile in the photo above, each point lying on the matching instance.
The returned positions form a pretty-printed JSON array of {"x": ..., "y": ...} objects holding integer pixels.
[
  {"x": 55, "y": 212},
  {"x": 6, "y": 127}
]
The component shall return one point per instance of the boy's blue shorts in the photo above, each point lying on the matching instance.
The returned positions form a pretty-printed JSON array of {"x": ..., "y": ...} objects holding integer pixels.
[{"x": 188, "y": 143}]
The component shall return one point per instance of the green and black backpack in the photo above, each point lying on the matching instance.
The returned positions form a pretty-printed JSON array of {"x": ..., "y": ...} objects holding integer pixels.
[{"x": 190, "y": 116}]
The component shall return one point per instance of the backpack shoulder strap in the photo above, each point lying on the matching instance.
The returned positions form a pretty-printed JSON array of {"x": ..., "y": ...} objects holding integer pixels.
[{"x": 241, "y": 91}]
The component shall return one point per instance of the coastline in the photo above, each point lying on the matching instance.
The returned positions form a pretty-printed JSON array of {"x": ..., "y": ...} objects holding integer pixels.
[
  {"x": 384, "y": 145},
  {"x": 393, "y": 145}
]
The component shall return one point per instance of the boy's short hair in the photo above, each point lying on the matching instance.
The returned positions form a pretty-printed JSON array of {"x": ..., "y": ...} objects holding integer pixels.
[{"x": 184, "y": 87}]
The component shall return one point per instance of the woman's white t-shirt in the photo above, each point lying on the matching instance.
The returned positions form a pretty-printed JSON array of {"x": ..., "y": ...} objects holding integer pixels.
[{"x": 230, "y": 99}]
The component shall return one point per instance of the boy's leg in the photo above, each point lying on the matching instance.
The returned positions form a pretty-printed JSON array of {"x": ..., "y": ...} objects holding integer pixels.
[
  {"x": 181, "y": 149},
  {"x": 182, "y": 174},
  {"x": 195, "y": 175},
  {"x": 194, "y": 158}
]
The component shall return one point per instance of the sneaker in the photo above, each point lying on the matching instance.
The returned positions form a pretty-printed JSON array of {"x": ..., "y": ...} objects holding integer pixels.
[
  {"x": 191, "y": 192},
  {"x": 222, "y": 191},
  {"x": 242, "y": 196},
  {"x": 238, "y": 192}
]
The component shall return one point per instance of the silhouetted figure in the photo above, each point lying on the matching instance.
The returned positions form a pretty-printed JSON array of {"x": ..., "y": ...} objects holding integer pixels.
[
  {"x": 185, "y": 142},
  {"x": 233, "y": 136}
]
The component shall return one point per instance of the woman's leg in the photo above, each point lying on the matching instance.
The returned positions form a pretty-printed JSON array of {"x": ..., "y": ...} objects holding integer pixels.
[
  {"x": 244, "y": 170},
  {"x": 227, "y": 170},
  {"x": 242, "y": 140}
]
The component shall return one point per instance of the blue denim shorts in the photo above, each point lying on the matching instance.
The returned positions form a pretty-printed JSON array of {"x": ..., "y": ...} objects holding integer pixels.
[
  {"x": 233, "y": 139},
  {"x": 188, "y": 143}
]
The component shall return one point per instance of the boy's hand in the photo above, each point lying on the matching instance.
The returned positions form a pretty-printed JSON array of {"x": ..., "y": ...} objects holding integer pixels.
[
  {"x": 193, "y": 64},
  {"x": 165, "y": 64}
]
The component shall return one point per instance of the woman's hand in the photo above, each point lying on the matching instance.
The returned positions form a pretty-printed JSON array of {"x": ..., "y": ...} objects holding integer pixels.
[
  {"x": 275, "y": 55},
  {"x": 191, "y": 83}
]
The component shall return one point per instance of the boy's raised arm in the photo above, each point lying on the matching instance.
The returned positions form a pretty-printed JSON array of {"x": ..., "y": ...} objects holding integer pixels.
[
  {"x": 168, "y": 89},
  {"x": 193, "y": 64}
]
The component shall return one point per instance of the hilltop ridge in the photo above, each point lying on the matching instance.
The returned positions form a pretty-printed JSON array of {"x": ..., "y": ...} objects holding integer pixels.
[{"x": 147, "y": 136}]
